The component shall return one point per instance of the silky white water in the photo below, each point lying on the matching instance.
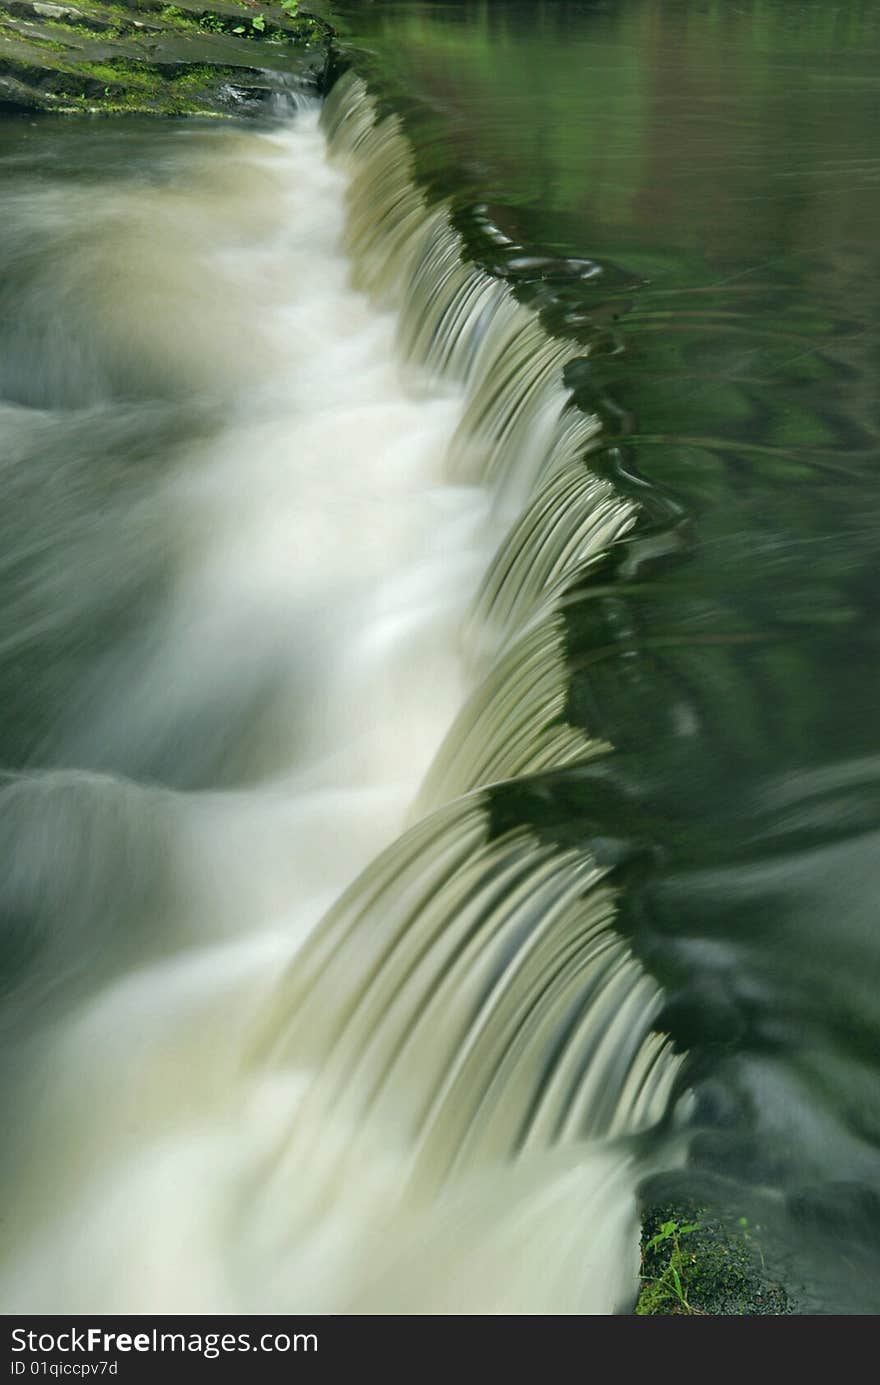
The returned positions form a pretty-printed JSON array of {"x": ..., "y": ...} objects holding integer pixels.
[{"x": 213, "y": 1109}]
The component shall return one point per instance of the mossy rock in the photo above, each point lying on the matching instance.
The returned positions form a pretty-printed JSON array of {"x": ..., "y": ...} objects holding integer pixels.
[
  {"x": 151, "y": 58},
  {"x": 697, "y": 1262}
]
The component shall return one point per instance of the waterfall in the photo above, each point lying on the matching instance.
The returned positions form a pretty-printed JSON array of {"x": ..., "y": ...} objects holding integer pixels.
[{"x": 295, "y": 1028}]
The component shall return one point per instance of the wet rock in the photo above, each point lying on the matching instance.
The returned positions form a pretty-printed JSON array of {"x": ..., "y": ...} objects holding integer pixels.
[
  {"x": 64, "y": 12},
  {"x": 18, "y": 95},
  {"x": 699, "y": 1261},
  {"x": 141, "y": 56}
]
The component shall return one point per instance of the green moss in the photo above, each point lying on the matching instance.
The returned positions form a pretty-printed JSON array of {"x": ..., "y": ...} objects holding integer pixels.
[
  {"x": 112, "y": 60},
  {"x": 131, "y": 86},
  {"x": 179, "y": 20},
  {"x": 120, "y": 70},
  {"x": 82, "y": 31},
  {"x": 101, "y": 10},
  {"x": 201, "y": 76},
  {"x": 694, "y": 1263}
]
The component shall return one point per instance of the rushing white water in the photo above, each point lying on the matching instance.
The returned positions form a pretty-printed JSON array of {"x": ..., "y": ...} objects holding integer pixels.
[{"x": 226, "y": 1097}]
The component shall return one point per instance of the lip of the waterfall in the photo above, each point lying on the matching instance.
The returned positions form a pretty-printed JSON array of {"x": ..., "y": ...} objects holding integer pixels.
[
  {"x": 580, "y": 303},
  {"x": 577, "y": 299}
]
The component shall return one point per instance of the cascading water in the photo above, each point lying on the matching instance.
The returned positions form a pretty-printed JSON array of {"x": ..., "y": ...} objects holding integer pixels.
[{"x": 293, "y": 1025}]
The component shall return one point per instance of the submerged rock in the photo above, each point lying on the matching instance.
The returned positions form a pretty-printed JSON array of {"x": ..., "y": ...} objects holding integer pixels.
[{"x": 143, "y": 56}]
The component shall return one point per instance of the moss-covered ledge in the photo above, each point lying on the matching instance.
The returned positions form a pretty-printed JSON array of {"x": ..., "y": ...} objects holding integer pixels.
[
  {"x": 700, "y": 1260},
  {"x": 144, "y": 56}
]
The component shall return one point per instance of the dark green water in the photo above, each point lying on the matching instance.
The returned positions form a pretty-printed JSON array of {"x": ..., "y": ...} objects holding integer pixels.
[{"x": 693, "y": 190}]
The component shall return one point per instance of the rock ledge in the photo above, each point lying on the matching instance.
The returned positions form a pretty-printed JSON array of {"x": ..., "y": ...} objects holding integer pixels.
[{"x": 146, "y": 57}]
